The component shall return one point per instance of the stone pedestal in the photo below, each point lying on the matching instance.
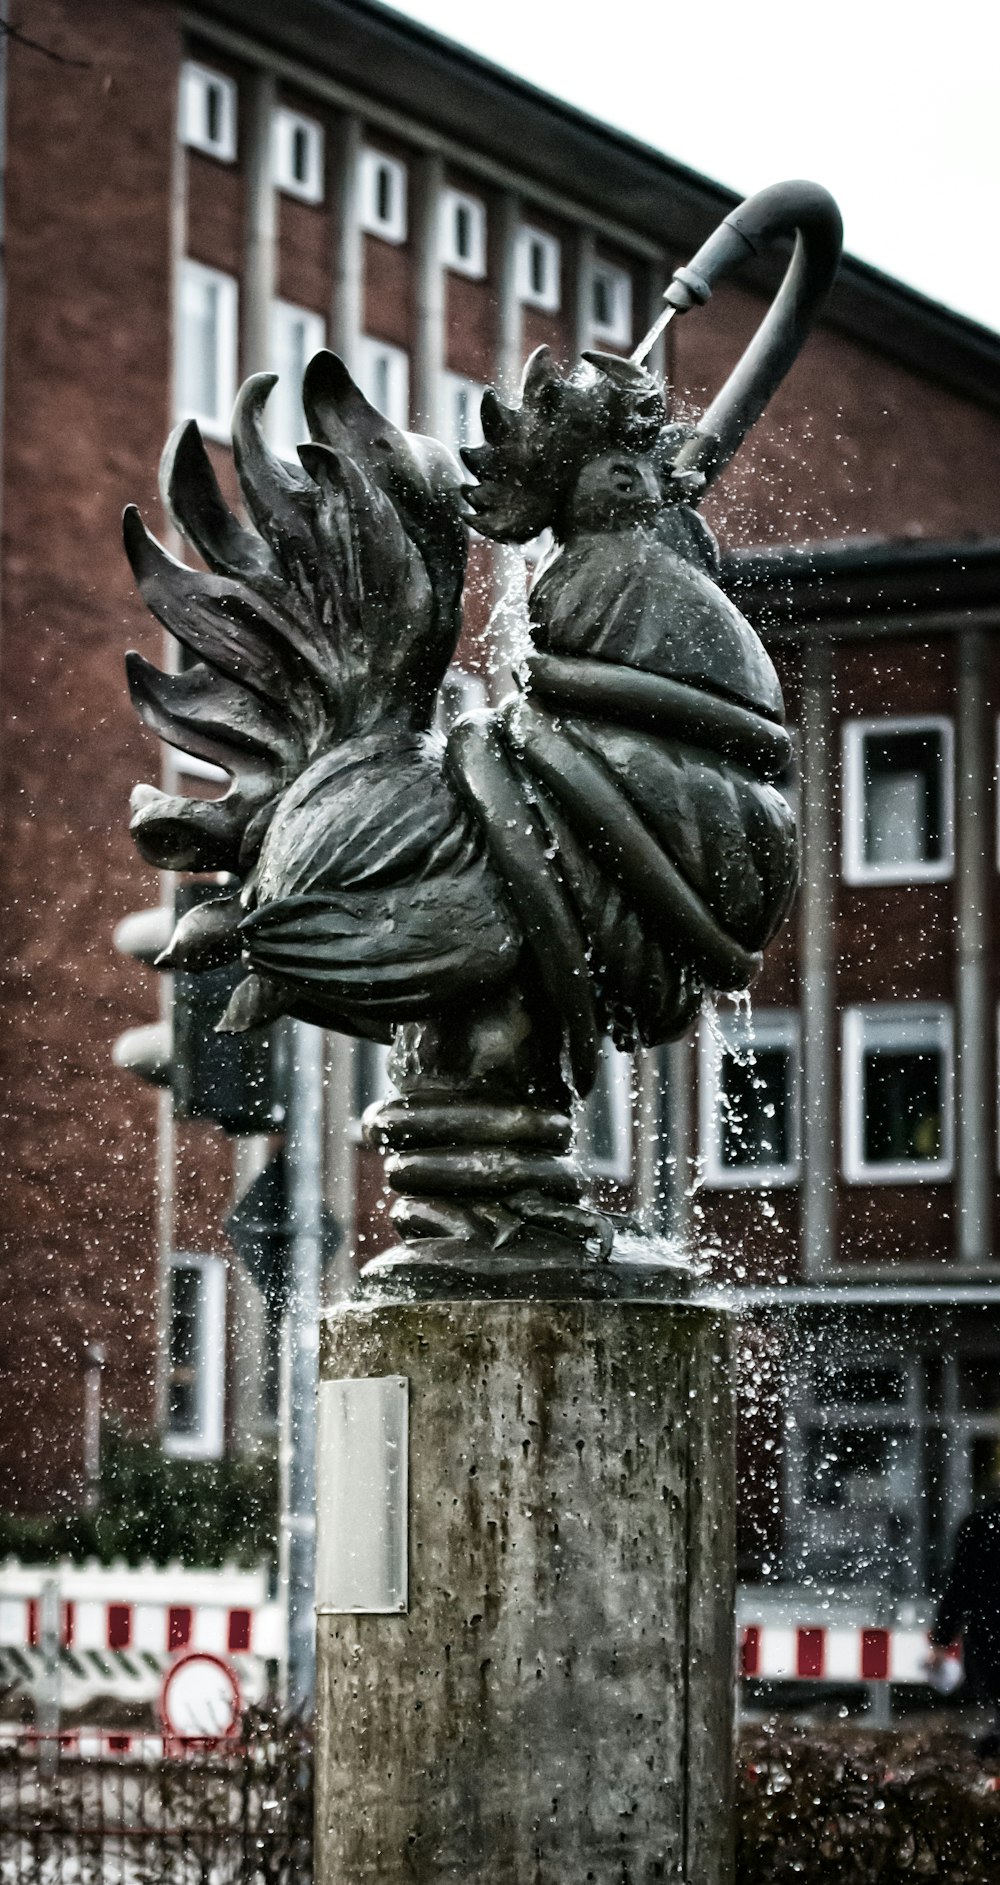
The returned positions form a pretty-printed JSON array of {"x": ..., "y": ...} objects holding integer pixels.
[{"x": 555, "y": 1705}]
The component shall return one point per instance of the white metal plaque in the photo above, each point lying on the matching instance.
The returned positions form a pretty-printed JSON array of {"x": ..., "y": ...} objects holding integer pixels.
[{"x": 361, "y": 1495}]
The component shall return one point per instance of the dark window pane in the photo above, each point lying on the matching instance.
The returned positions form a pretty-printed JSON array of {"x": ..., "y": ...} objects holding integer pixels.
[
  {"x": 185, "y": 1327},
  {"x": 903, "y": 775},
  {"x": 903, "y": 1095},
  {"x": 869, "y": 1385},
  {"x": 600, "y": 1118},
  {"x": 756, "y": 1115},
  {"x": 369, "y": 1075},
  {"x": 300, "y": 154},
  {"x": 979, "y": 1384},
  {"x": 463, "y": 232},
  {"x": 537, "y": 268},
  {"x": 603, "y": 311},
  {"x": 985, "y": 1462},
  {"x": 384, "y": 194},
  {"x": 852, "y": 1465},
  {"x": 213, "y": 113}
]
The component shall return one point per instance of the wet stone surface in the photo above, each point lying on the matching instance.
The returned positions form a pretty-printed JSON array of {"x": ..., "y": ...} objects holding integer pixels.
[{"x": 556, "y": 1704}]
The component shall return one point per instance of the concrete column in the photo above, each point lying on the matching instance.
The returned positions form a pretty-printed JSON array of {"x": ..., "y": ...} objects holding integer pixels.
[
  {"x": 508, "y": 582},
  {"x": 678, "y": 1137},
  {"x": 304, "y": 1166},
  {"x": 556, "y": 1701},
  {"x": 340, "y": 1184},
  {"x": 510, "y": 318},
  {"x": 347, "y": 309},
  {"x": 247, "y": 1316},
  {"x": 654, "y": 282},
  {"x": 974, "y": 1019},
  {"x": 260, "y": 253},
  {"x": 820, "y": 1086},
  {"x": 427, "y": 182},
  {"x": 652, "y": 1174}
]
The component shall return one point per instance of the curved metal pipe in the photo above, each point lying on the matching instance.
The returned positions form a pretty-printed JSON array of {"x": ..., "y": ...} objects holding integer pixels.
[{"x": 806, "y": 212}]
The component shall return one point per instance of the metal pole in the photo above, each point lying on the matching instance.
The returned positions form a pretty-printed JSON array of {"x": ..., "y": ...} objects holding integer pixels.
[
  {"x": 818, "y": 969},
  {"x": 93, "y": 1364},
  {"x": 304, "y": 1168},
  {"x": 47, "y": 1705},
  {"x": 347, "y": 307},
  {"x": 429, "y": 341},
  {"x": 972, "y": 820}
]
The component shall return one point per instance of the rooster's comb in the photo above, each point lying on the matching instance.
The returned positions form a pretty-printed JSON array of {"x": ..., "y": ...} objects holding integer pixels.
[{"x": 534, "y": 451}]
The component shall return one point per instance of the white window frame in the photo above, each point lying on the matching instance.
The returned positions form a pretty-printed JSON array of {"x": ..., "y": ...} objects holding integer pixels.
[
  {"x": 453, "y": 387},
  {"x": 191, "y": 767},
  {"x": 548, "y": 296},
  {"x": 192, "y": 118},
  {"x": 215, "y": 425},
  {"x": 383, "y": 1087},
  {"x": 452, "y": 203},
  {"x": 902, "y": 1025},
  {"x": 286, "y": 422},
  {"x": 856, "y": 868},
  {"x": 459, "y": 694},
  {"x": 208, "y": 1441},
  {"x": 397, "y": 361},
  {"x": 618, "y": 330},
  {"x": 286, "y": 126},
  {"x": 770, "y": 1027},
  {"x": 616, "y": 1069},
  {"x": 391, "y": 228}
]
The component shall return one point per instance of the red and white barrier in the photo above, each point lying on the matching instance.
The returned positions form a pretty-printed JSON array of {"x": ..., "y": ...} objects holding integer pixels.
[
  {"x": 156, "y": 1609},
  {"x": 776, "y": 1652}
]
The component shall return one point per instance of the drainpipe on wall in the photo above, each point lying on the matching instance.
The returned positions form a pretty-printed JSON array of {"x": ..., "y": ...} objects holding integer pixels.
[
  {"x": 816, "y": 760},
  {"x": 975, "y": 1026}
]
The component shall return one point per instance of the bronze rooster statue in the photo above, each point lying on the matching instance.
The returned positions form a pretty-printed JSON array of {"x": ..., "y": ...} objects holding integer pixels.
[{"x": 592, "y": 857}]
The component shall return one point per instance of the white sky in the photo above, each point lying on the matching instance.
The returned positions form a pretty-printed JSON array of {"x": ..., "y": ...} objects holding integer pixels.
[{"x": 894, "y": 105}]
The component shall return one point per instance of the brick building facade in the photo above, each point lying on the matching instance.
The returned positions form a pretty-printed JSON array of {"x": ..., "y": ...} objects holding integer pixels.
[{"x": 224, "y": 189}]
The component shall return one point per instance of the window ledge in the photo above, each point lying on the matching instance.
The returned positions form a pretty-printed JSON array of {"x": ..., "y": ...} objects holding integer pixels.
[
  {"x": 763, "y": 1178},
  {"x": 858, "y": 875},
  {"x": 936, "y": 1173}
]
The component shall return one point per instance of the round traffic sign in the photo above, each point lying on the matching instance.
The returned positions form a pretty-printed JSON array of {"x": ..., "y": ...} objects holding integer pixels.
[{"x": 200, "y": 1698}]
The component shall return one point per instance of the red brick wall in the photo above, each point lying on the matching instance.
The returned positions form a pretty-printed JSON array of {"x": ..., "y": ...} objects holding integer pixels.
[
  {"x": 852, "y": 442},
  {"x": 86, "y": 407}
]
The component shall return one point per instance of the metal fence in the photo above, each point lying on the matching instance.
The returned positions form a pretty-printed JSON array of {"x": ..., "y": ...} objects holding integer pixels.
[{"x": 145, "y": 1810}]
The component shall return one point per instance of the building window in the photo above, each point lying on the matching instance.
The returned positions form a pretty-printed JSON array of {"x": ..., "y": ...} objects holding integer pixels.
[
  {"x": 206, "y": 348},
  {"x": 538, "y": 269},
  {"x": 605, "y": 1136},
  {"x": 382, "y": 187},
  {"x": 460, "y": 420},
  {"x": 298, "y": 155},
  {"x": 611, "y": 304},
  {"x": 372, "y": 1085},
  {"x": 749, "y": 1100},
  {"x": 208, "y": 111},
  {"x": 460, "y": 693},
  {"x": 384, "y": 378},
  {"x": 296, "y": 334},
  {"x": 898, "y": 800},
  {"x": 889, "y": 1443},
  {"x": 897, "y": 1098},
  {"x": 196, "y": 1347},
  {"x": 463, "y": 233}
]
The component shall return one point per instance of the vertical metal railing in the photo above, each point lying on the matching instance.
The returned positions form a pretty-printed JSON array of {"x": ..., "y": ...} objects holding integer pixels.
[{"x": 144, "y": 1813}]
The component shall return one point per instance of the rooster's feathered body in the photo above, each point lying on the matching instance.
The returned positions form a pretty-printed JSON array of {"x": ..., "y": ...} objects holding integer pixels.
[{"x": 600, "y": 849}]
